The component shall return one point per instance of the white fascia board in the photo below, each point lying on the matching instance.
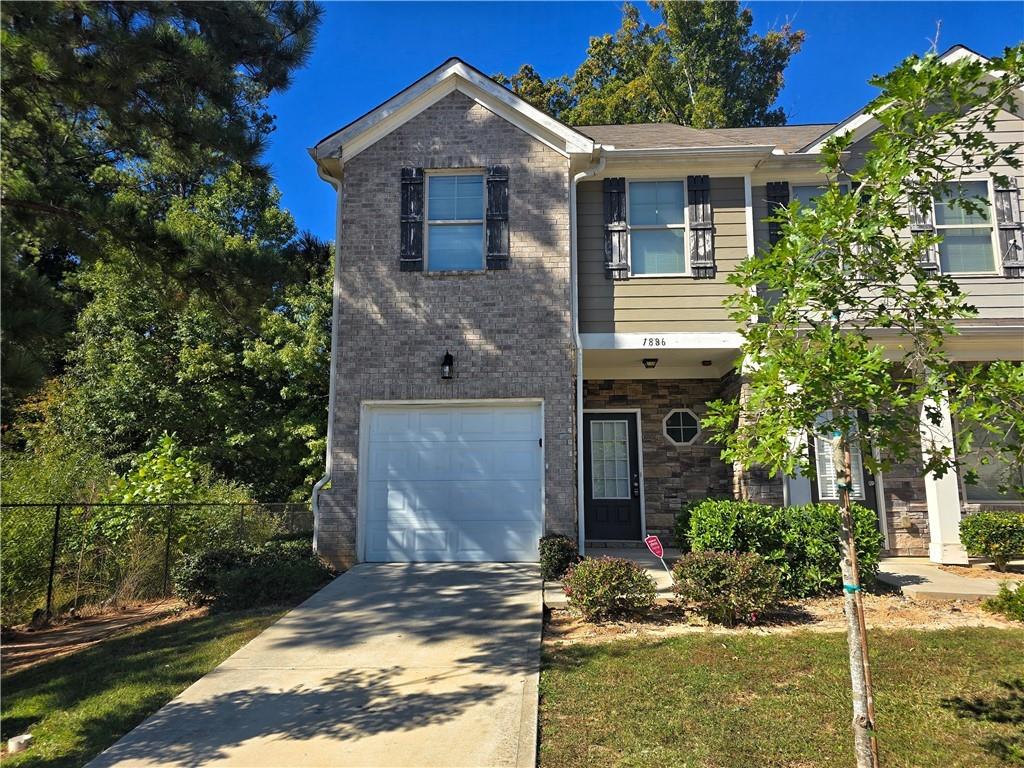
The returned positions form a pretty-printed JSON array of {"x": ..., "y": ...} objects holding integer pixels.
[
  {"x": 450, "y": 76},
  {"x": 694, "y": 340},
  {"x": 862, "y": 123}
]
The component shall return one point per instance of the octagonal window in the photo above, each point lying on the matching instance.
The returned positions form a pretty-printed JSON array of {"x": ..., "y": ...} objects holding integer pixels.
[{"x": 682, "y": 426}]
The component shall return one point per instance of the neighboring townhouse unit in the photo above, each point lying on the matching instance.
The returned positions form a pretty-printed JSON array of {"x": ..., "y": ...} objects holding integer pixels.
[{"x": 529, "y": 324}]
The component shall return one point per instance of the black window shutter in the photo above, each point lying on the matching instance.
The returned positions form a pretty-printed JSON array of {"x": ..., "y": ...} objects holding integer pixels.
[
  {"x": 411, "y": 234},
  {"x": 777, "y": 193},
  {"x": 616, "y": 263},
  {"x": 702, "y": 240},
  {"x": 497, "y": 217},
  {"x": 921, "y": 223},
  {"x": 1010, "y": 228}
]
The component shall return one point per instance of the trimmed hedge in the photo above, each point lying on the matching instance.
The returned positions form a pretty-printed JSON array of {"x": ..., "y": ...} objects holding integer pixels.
[
  {"x": 727, "y": 587},
  {"x": 244, "y": 577},
  {"x": 801, "y": 542},
  {"x": 557, "y": 553},
  {"x": 605, "y": 587},
  {"x": 995, "y": 535}
]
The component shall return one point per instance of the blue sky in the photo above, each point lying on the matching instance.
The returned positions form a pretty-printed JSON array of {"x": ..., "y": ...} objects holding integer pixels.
[{"x": 366, "y": 52}]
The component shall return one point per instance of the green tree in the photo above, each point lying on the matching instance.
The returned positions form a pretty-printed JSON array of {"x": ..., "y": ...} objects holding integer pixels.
[
  {"x": 109, "y": 110},
  {"x": 842, "y": 278},
  {"x": 702, "y": 66}
]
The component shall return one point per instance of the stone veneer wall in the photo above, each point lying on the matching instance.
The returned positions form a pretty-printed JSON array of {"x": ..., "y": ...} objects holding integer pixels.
[
  {"x": 509, "y": 331},
  {"x": 673, "y": 474},
  {"x": 906, "y": 509}
]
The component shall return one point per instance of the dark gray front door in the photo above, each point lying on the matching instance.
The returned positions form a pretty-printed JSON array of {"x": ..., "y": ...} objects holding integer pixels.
[{"x": 611, "y": 476}]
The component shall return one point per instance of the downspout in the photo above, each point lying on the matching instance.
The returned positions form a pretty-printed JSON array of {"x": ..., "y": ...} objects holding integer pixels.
[
  {"x": 595, "y": 168},
  {"x": 335, "y": 311}
]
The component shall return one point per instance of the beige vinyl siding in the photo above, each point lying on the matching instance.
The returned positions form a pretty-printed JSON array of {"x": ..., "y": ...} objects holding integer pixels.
[
  {"x": 996, "y": 297},
  {"x": 659, "y": 303}
]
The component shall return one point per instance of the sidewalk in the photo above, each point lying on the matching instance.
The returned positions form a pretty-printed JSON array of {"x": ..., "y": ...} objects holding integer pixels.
[{"x": 921, "y": 579}]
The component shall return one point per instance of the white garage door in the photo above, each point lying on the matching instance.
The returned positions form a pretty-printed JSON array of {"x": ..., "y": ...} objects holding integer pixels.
[{"x": 456, "y": 483}]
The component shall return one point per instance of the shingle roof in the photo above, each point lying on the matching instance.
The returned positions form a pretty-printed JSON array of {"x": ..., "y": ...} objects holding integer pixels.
[{"x": 788, "y": 138}]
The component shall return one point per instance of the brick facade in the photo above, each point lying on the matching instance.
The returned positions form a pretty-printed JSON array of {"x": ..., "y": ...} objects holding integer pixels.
[
  {"x": 509, "y": 331},
  {"x": 673, "y": 474}
]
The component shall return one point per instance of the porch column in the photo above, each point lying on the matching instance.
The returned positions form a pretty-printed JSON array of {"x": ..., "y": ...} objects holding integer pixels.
[{"x": 942, "y": 493}]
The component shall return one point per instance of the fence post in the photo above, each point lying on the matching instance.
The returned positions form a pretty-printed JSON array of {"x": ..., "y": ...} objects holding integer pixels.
[
  {"x": 53, "y": 563},
  {"x": 167, "y": 549}
]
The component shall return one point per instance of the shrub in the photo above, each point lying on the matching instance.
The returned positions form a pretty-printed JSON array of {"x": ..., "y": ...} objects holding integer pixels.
[
  {"x": 996, "y": 535},
  {"x": 1009, "y": 602},
  {"x": 801, "y": 542},
  {"x": 681, "y": 527},
  {"x": 727, "y": 587},
  {"x": 605, "y": 587},
  {"x": 557, "y": 553},
  {"x": 242, "y": 577}
]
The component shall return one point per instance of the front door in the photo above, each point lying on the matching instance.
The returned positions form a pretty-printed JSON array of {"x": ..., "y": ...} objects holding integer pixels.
[{"x": 611, "y": 476}]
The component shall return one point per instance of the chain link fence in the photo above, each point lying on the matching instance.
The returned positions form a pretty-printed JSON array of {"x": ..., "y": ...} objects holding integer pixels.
[{"x": 59, "y": 557}]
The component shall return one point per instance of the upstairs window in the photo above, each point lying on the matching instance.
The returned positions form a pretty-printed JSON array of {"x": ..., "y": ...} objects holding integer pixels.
[
  {"x": 808, "y": 194},
  {"x": 455, "y": 222},
  {"x": 657, "y": 228},
  {"x": 967, "y": 236}
]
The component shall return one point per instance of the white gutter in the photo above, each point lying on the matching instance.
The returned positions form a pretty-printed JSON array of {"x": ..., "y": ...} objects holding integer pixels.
[
  {"x": 335, "y": 311},
  {"x": 594, "y": 168}
]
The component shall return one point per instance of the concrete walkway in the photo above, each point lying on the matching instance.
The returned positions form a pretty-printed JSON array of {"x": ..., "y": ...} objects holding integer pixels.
[
  {"x": 389, "y": 665},
  {"x": 921, "y": 579}
]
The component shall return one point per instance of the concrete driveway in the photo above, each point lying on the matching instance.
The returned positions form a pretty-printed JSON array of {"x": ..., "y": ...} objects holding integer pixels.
[{"x": 389, "y": 665}]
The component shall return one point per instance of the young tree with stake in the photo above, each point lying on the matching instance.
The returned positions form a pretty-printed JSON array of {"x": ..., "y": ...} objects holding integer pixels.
[{"x": 852, "y": 310}]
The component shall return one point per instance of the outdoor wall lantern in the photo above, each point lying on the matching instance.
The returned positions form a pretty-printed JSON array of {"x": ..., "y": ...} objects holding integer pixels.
[
  {"x": 650, "y": 362},
  {"x": 447, "y": 364}
]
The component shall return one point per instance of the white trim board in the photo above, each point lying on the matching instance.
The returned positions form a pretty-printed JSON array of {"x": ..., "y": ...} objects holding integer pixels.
[{"x": 676, "y": 340}]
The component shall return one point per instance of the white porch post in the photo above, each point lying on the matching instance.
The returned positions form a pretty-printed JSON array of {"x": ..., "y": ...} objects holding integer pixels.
[{"x": 942, "y": 493}]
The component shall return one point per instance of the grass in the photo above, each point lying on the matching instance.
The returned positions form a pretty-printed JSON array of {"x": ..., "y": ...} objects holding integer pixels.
[
  {"x": 943, "y": 699},
  {"x": 78, "y": 705}
]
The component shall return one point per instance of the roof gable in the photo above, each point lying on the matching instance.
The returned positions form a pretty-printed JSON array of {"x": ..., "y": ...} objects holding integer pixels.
[
  {"x": 862, "y": 123},
  {"x": 453, "y": 75}
]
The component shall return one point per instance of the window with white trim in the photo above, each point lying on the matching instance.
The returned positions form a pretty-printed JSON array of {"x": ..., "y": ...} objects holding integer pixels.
[
  {"x": 828, "y": 490},
  {"x": 807, "y": 194},
  {"x": 657, "y": 227},
  {"x": 681, "y": 426},
  {"x": 455, "y": 221},
  {"x": 609, "y": 459},
  {"x": 967, "y": 236}
]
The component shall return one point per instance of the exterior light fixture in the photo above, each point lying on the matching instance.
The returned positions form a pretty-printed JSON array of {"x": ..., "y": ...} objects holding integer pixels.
[
  {"x": 447, "y": 364},
  {"x": 650, "y": 362},
  {"x": 706, "y": 363}
]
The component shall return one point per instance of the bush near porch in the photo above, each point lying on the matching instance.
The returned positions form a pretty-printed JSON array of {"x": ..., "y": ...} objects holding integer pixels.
[
  {"x": 802, "y": 542},
  {"x": 998, "y": 536}
]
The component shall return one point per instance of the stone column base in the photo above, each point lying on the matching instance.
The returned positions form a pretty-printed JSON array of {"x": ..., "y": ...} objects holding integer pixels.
[{"x": 947, "y": 553}]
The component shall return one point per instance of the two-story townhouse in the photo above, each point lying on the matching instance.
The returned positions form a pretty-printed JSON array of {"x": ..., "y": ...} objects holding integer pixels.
[{"x": 529, "y": 323}]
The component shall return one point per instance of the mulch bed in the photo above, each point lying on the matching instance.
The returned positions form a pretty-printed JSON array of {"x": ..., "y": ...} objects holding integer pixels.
[{"x": 24, "y": 647}]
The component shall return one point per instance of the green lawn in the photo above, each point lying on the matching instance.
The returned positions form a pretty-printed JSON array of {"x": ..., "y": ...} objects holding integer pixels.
[
  {"x": 943, "y": 699},
  {"x": 78, "y": 705}
]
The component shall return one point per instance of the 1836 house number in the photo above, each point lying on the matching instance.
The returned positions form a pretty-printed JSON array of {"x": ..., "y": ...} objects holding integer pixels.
[{"x": 655, "y": 341}]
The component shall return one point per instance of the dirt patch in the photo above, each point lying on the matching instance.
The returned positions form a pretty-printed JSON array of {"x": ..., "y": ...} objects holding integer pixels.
[
  {"x": 1014, "y": 571},
  {"x": 23, "y": 647},
  {"x": 818, "y": 615}
]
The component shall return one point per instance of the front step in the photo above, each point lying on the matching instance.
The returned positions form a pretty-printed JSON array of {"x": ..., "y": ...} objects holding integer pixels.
[{"x": 613, "y": 544}]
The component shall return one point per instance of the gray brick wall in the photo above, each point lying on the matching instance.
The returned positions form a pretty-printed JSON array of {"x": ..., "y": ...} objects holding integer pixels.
[
  {"x": 509, "y": 331},
  {"x": 673, "y": 474}
]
